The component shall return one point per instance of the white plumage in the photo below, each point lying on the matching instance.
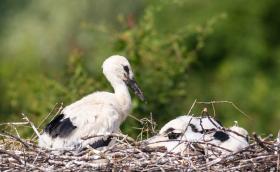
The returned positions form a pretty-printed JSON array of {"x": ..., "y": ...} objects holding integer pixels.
[
  {"x": 176, "y": 133},
  {"x": 189, "y": 128},
  {"x": 100, "y": 113},
  {"x": 238, "y": 139}
]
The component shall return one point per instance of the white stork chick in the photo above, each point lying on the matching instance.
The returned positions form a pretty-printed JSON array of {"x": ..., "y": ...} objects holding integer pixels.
[
  {"x": 99, "y": 113},
  {"x": 176, "y": 132},
  {"x": 234, "y": 139}
]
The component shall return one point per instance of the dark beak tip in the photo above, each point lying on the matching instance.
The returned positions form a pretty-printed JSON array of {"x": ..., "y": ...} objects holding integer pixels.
[
  {"x": 137, "y": 91},
  {"x": 141, "y": 97}
]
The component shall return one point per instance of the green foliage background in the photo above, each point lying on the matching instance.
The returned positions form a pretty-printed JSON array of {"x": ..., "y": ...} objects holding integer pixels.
[{"x": 180, "y": 50}]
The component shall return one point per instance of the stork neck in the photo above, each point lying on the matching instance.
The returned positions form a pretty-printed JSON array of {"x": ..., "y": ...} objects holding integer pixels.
[{"x": 122, "y": 95}]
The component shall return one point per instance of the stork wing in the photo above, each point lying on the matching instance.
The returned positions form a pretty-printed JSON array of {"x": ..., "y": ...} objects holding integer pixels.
[
  {"x": 59, "y": 127},
  {"x": 98, "y": 120}
]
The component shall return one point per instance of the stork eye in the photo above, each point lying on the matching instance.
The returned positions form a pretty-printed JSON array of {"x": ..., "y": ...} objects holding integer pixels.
[
  {"x": 169, "y": 130},
  {"x": 126, "y": 69},
  {"x": 193, "y": 127},
  {"x": 172, "y": 135}
]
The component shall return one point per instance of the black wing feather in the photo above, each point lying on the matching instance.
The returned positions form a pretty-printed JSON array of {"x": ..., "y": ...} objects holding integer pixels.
[
  {"x": 60, "y": 127},
  {"x": 53, "y": 124},
  {"x": 220, "y": 135},
  {"x": 101, "y": 143}
]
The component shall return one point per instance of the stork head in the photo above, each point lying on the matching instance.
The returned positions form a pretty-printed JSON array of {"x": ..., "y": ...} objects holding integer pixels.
[
  {"x": 117, "y": 69},
  {"x": 171, "y": 131},
  {"x": 241, "y": 131},
  {"x": 176, "y": 127}
]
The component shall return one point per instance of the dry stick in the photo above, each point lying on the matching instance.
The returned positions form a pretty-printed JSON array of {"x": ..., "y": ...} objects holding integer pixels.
[
  {"x": 261, "y": 143},
  {"x": 153, "y": 124},
  {"x": 214, "y": 110},
  {"x": 55, "y": 106},
  {"x": 229, "y": 102},
  {"x": 40, "y": 124},
  {"x": 238, "y": 134},
  {"x": 259, "y": 157},
  {"x": 185, "y": 130},
  {"x": 111, "y": 147},
  {"x": 107, "y": 135},
  {"x": 131, "y": 116},
  {"x": 24, "y": 159},
  {"x": 12, "y": 155},
  {"x": 31, "y": 124},
  {"x": 180, "y": 142},
  {"x": 192, "y": 107},
  {"x": 210, "y": 119},
  {"x": 24, "y": 167},
  {"x": 145, "y": 125},
  {"x": 14, "y": 123},
  {"x": 141, "y": 122},
  {"x": 223, "y": 157},
  {"x": 5, "y": 134},
  {"x": 138, "y": 150},
  {"x": 278, "y": 162},
  {"x": 16, "y": 131},
  {"x": 197, "y": 142}
]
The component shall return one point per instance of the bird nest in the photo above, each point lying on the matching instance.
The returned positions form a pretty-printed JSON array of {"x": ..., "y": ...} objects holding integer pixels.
[
  {"x": 17, "y": 154},
  {"x": 126, "y": 154}
]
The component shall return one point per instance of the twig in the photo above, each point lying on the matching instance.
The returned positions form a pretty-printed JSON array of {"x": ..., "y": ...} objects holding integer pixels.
[
  {"x": 107, "y": 135},
  {"x": 31, "y": 124},
  {"x": 3, "y": 133},
  {"x": 12, "y": 155},
  {"x": 57, "y": 112},
  {"x": 14, "y": 123},
  {"x": 261, "y": 143},
  {"x": 229, "y": 102}
]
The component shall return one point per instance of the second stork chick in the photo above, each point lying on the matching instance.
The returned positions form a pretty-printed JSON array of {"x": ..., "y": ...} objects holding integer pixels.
[
  {"x": 204, "y": 131},
  {"x": 174, "y": 134}
]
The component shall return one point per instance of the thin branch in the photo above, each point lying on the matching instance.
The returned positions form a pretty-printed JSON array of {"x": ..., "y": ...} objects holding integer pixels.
[
  {"x": 31, "y": 124},
  {"x": 229, "y": 102},
  {"x": 5, "y": 134},
  {"x": 12, "y": 155}
]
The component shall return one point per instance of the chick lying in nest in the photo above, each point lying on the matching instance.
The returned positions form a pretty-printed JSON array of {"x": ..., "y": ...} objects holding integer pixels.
[{"x": 200, "y": 134}]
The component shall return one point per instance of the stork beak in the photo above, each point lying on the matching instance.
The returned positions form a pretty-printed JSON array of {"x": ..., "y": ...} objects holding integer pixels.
[
  {"x": 157, "y": 141},
  {"x": 157, "y": 138},
  {"x": 174, "y": 146},
  {"x": 133, "y": 85}
]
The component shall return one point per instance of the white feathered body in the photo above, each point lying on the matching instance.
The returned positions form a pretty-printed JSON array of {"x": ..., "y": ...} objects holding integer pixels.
[
  {"x": 92, "y": 115},
  {"x": 237, "y": 141},
  {"x": 199, "y": 129},
  {"x": 183, "y": 124},
  {"x": 190, "y": 129}
]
